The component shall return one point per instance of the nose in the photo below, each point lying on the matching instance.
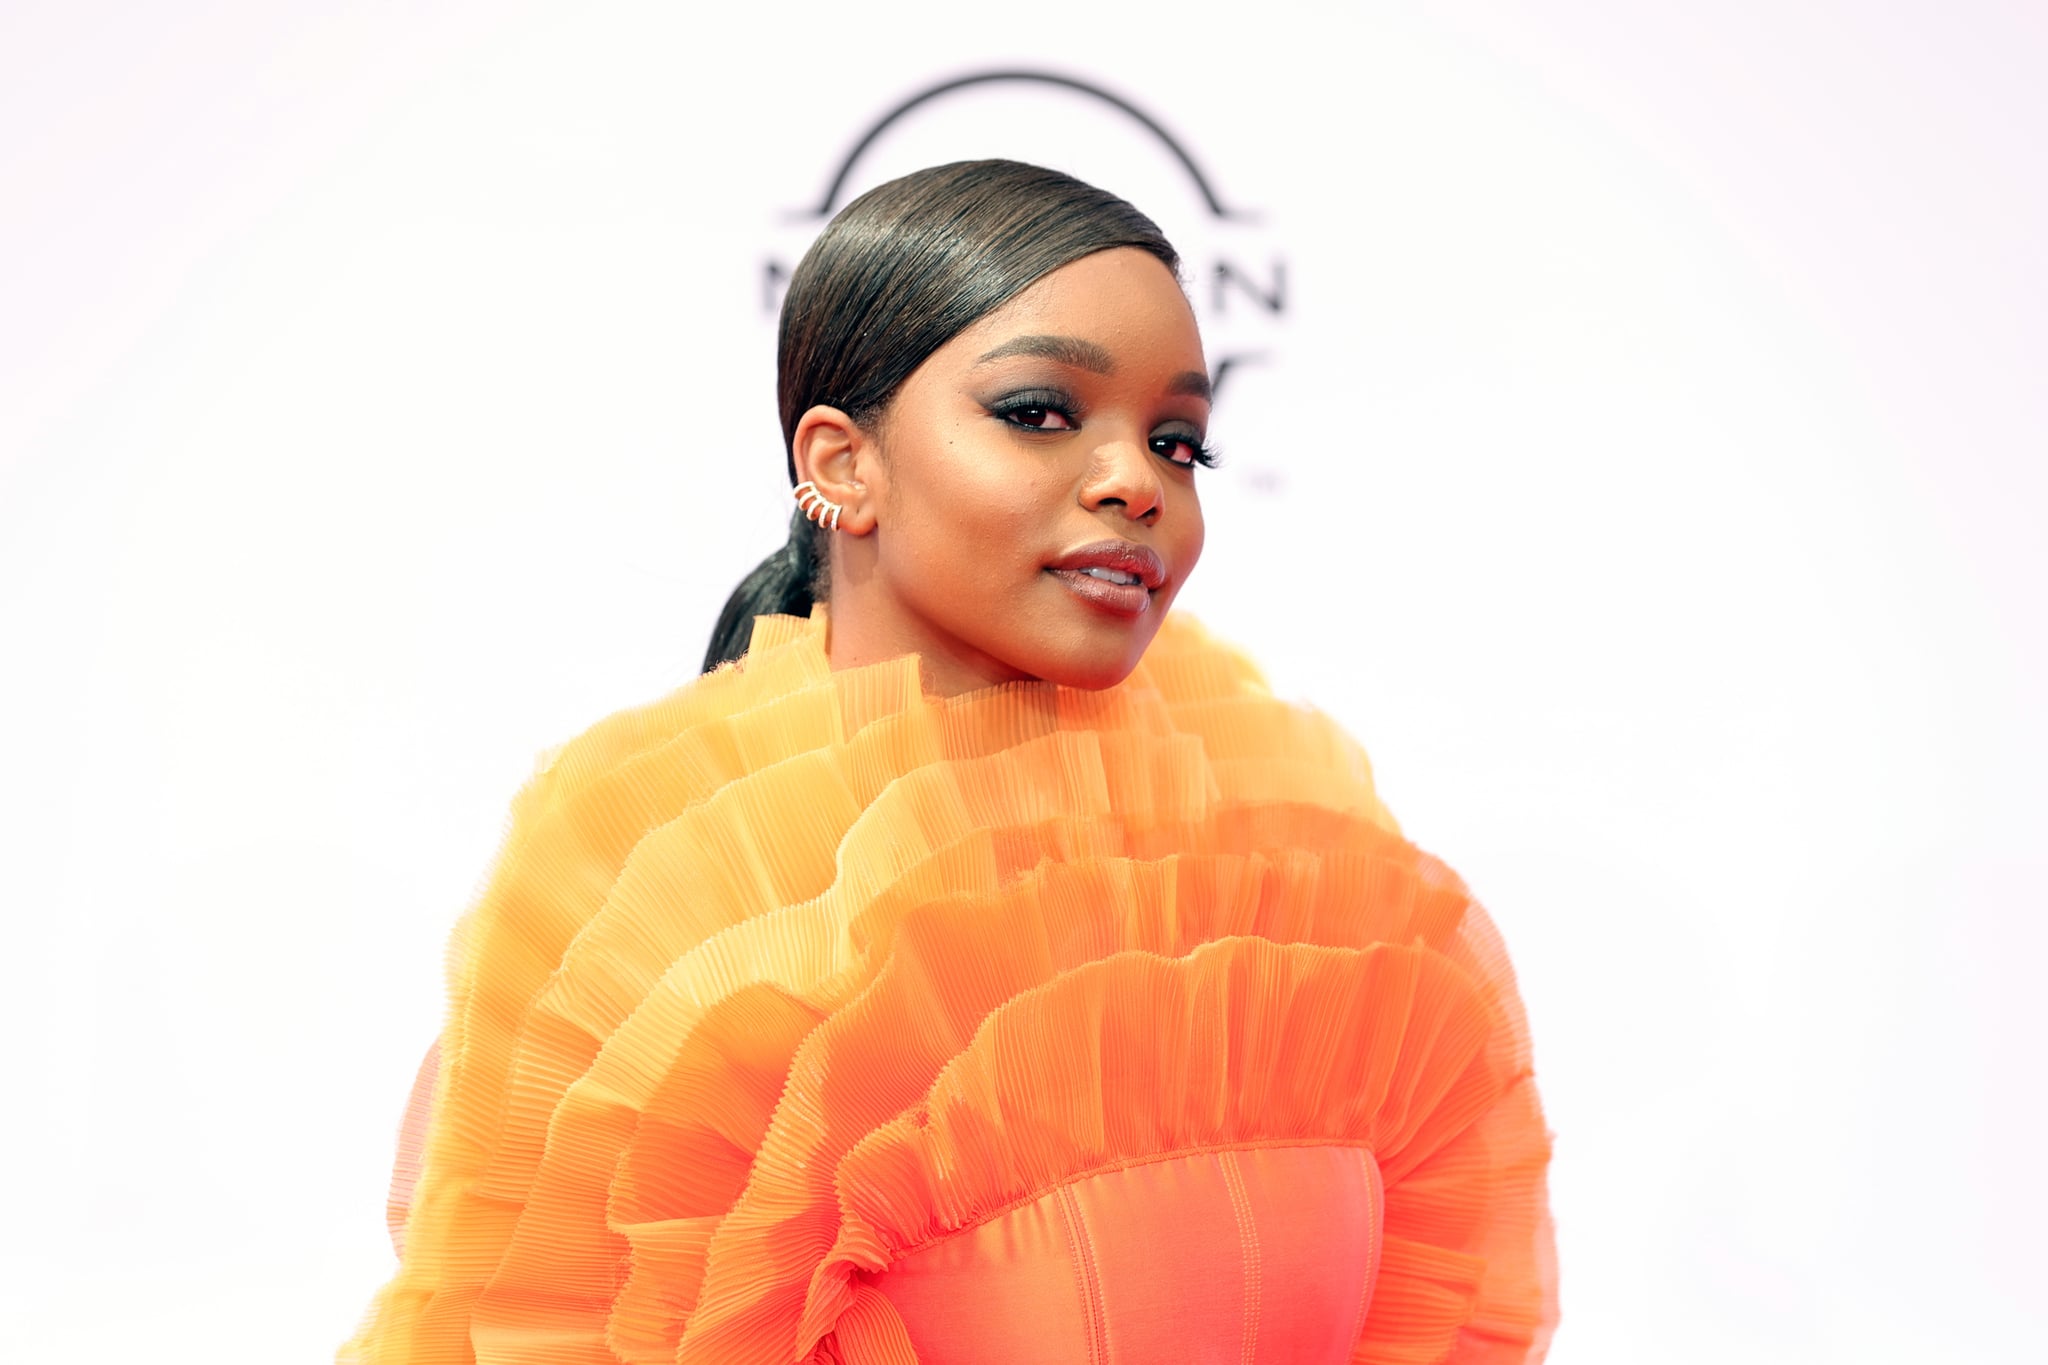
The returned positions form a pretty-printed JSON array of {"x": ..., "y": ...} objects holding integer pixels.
[{"x": 1124, "y": 475}]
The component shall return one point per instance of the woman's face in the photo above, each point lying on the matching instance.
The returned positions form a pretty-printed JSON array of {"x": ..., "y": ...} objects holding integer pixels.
[{"x": 1027, "y": 506}]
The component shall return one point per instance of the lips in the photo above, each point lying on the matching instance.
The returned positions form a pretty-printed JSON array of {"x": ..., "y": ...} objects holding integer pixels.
[
  {"x": 1121, "y": 556},
  {"x": 1124, "y": 558}
]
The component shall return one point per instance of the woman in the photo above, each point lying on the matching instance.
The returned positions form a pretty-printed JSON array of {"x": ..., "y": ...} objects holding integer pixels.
[{"x": 976, "y": 963}]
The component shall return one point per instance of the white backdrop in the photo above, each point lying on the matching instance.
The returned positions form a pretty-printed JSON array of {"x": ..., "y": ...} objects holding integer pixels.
[{"x": 1646, "y": 462}]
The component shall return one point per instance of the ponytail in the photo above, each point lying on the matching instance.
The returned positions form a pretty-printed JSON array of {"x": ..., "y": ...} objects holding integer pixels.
[{"x": 784, "y": 584}]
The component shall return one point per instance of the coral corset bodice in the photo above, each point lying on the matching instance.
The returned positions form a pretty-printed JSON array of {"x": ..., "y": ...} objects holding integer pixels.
[{"x": 1256, "y": 1256}]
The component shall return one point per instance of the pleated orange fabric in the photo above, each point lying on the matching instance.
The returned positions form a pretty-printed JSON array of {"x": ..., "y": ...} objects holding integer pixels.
[{"x": 785, "y": 983}]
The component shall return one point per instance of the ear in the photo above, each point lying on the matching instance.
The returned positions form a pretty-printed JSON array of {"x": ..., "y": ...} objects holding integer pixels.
[{"x": 841, "y": 458}]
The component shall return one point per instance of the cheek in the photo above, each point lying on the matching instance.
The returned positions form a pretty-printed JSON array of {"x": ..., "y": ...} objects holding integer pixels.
[
  {"x": 1186, "y": 535},
  {"x": 1196, "y": 532},
  {"x": 966, "y": 500}
]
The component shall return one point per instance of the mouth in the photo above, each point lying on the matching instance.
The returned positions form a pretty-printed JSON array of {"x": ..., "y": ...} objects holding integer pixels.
[
  {"x": 1114, "y": 577},
  {"x": 1121, "y": 595},
  {"x": 1119, "y": 562}
]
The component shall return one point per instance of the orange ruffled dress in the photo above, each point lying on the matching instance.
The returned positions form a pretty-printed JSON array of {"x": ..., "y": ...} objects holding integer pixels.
[{"x": 807, "y": 1018}]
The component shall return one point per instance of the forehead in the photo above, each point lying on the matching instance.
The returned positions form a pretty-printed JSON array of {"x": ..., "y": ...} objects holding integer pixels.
[{"x": 1122, "y": 298}]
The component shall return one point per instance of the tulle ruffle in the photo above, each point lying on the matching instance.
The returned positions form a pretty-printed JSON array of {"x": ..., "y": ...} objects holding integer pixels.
[{"x": 738, "y": 941}]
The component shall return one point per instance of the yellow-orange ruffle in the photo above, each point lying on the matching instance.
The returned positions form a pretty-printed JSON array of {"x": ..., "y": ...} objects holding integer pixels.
[{"x": 736, "y": 939}]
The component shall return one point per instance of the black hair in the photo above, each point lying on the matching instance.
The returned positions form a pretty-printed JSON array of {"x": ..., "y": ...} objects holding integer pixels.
[{"x": 900, "y": 272}]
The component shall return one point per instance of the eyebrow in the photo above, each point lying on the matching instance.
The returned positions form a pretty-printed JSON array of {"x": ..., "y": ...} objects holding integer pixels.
[
  {"x": 1086, "y": 355},
  {"x": 1082, "y": 355}
]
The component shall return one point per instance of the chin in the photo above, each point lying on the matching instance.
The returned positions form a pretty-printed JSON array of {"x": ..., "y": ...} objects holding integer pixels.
[
  {"x": 1091, "y": 680},
  {"x": 1094, "y": 664}
]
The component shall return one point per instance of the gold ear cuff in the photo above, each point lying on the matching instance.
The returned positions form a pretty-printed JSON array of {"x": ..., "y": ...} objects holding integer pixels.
[{"x": 816, "y": 506}]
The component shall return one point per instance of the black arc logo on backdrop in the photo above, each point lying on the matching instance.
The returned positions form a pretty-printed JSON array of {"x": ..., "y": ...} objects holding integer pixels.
[
  {"x": 831, "y": 202},
  {"x": 1231, "y": 284}
]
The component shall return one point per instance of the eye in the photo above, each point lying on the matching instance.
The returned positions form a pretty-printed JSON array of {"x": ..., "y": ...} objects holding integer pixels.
[
  {"x": 1038, "y": 409},
  {"x": 1038, "y": 416},
  {"x": 1183, "y": 449}
]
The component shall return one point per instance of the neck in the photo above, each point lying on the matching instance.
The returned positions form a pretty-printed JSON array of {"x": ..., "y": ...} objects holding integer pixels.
[{"x": 860, "y": 632}]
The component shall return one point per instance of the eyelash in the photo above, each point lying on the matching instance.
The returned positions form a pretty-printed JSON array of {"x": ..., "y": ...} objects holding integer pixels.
[{"x": 1204, "y": 454}]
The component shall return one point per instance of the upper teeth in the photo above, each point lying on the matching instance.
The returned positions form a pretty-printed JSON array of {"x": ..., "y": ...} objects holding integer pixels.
[{"x": 1110, "y": 575}]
